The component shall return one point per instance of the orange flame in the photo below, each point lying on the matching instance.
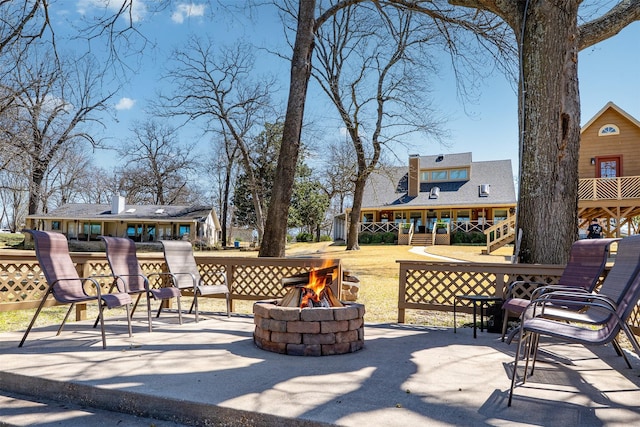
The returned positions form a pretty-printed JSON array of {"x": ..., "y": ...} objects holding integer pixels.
[{"x": 314, "y": 288}]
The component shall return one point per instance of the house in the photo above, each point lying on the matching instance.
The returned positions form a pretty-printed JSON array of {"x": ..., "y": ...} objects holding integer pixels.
[
  {"x": 142, "y": 223},
  {"x": 609, "y": 171},
  {"x": 447, "y": 189}
]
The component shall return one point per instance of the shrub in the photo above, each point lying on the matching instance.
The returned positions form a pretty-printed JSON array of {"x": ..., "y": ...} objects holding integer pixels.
[
  {"x": 365, "y": 237},
  {"x": 477, "y": 237},
  {"x": 460, "y": 237},
  {"x": 325, "y": 238},
  {"x": 304, "y": 237},
  {"x": 389, "y": 237}
]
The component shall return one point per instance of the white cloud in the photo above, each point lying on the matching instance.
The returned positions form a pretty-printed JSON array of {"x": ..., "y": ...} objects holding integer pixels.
[
  {"x": 125, "y": 103},
  {"x": 138, "y": 8},
  {"x": 187, "y": 10}
]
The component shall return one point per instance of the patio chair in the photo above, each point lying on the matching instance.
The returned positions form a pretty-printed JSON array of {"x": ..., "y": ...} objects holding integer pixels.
[
  {"x": 65, "y": 284},
  {"x": 605, "y": 314},
  {"x": 129, "y": 278},
  {"x": 587, "y": 261},
  {"x": 182, "y": 266}
]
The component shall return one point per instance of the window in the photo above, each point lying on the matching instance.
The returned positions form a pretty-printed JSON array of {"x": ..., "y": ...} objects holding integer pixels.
[
  {"x": 184, "y": 229},
  {"x": 367, "y": 217},
  {"x": 134, "y": 230},
  {"x": 91, "y": 229},
  {"x": 609, "y": 129},
  {"x": 499, "y": 215},
  {"x": 399, "y": 217},
  {"x": 55, "y": 225},
  {"x": 460, "y": 174},
  {"x": 608, "y": 169},
  {"x": 438, "y": 175},
  {"x": 424, "y": 176}
]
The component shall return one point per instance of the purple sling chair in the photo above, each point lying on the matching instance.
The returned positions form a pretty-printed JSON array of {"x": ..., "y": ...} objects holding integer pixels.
[
  {"x": 129, "y": 278},
  {"x": 587, "y": 261},
  {"x": 66, "y": 286},
  {"x": 605, "y": 313}
]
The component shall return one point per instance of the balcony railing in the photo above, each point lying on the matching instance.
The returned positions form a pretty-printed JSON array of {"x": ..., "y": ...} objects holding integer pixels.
[{"x": 620, "y": 188}]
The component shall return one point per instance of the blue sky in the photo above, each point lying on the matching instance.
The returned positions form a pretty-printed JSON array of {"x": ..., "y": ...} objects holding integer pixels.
[{"x": 487, "y": 128}]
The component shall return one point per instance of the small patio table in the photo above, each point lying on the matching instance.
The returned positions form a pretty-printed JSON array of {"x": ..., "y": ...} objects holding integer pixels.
[{"x": 481, "y": 301}]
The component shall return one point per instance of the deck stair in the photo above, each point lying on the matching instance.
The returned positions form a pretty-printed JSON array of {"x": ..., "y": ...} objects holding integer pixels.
[
  {"x": 421, "y": 239},
  {"x": 500, "y": 234}
]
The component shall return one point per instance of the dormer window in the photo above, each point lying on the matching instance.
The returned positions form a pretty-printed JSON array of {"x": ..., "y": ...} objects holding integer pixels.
[{"x": 609, "y": 129}]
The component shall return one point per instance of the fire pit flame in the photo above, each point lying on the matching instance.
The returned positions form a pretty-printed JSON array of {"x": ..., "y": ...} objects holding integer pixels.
[{"x": 311, "y": 289}]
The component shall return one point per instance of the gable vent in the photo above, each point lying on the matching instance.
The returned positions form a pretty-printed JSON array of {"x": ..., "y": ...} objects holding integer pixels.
[
  {"x": 435, "y": 192},
  {"x": 485, "y": 189}
]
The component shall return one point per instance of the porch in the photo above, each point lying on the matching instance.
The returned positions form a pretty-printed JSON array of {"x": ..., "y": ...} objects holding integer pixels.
[{"x": 615, "y": 201}]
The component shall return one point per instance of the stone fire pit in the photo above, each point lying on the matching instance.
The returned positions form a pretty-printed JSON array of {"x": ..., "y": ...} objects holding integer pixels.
[{"x": 308, "y": 331}]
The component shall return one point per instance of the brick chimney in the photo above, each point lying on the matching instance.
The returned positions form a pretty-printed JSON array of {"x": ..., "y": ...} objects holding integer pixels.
[{"x": 413, "y": 186}]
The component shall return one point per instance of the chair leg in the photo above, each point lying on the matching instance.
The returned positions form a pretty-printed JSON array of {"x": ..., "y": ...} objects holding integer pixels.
[
  {"x": 101, "y": 316},
  {"x": 149, "y": 295},
  {"x": 194, "y": 304},
  {"x": 35, "y": 316},
  {"x": 135, "y": 305},
  {"x": 128, "y": 320},
  {"x": 179, "y": 309},
  {"x": 618, "y": 349},
  {"x": 515, "y": 366},
  {"x": 65, "y": 318},
  {"x": 228, "y": 305},
  {"x": 505, "y": 321}
]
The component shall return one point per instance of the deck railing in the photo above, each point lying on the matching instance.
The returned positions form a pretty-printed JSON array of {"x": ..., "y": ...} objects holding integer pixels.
[
  {"x": 426, "y": 285},
  {"x": 22, "y": 283},
  {"x": 620, "y": 188}
]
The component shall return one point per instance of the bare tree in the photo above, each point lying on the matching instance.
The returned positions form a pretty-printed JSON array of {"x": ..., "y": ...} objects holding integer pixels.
[
  {"x": 307, "y": 26},
  {"x": 339, "y": 174},
  {"x": 157, "y": 165},
  {"x": 373, "y": 65},
  {"x": 218, "y": 87},
  {"x": 54, "y": 105},
  {"x": 549, "y": 39},
  {"x": 221, "y": 168}
]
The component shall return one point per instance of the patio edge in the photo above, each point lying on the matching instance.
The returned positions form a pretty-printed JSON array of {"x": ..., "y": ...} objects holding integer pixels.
[{"x": 143, "y": 405}]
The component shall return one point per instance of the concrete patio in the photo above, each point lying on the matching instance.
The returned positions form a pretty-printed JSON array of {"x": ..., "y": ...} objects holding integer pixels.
[{"x": 211, "y": 373}]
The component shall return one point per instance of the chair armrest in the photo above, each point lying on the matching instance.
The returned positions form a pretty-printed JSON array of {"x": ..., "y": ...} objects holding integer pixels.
[
  {"x": 174, "y": 279},
  {"x": 559, "y": 298},
  {"x": 124, "y": 283},
  {"x": 522, "y": 284},
  {"x": 555, "y": 288}
]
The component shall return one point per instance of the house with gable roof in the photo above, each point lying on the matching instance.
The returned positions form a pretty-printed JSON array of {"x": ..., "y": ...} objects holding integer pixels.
[
  {"x": 141, "y": 223},
  {"x": 609, "y": 171},
  {"x": 450, "y": 192}
]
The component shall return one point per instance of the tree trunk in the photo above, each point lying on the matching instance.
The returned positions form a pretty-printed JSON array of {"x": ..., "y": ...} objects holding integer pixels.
[
  {"x": 275, "y": 233},
  {"x": 550, "y": 130},
  {"x": 354, "y": 215}
]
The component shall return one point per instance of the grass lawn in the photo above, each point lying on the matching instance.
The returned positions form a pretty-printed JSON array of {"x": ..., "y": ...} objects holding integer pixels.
[{"x": 374, "y": 265}]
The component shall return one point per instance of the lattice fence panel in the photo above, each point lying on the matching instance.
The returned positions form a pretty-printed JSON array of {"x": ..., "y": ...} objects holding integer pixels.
[
  {"x": 263, "y": 280},
  {"x": 441, "y": 287},
  {"x": 210, "y": 273},
  {"x": 21, "y": 282}
]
